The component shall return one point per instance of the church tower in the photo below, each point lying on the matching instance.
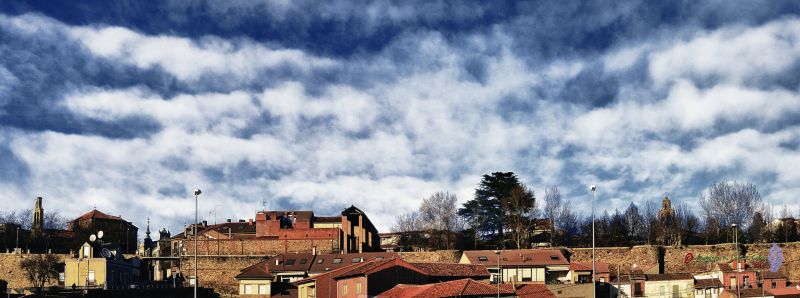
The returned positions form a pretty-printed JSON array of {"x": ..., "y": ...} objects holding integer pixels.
[{"x": 38, "y": 219}]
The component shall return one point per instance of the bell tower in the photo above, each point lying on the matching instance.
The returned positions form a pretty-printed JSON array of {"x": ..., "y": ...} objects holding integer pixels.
[{"x": 38, "y": 219}]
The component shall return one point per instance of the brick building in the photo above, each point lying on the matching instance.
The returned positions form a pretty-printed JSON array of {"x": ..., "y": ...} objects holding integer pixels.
[
  {"x": 115, "y": 228},
  {"x": 349, "y": 232}
]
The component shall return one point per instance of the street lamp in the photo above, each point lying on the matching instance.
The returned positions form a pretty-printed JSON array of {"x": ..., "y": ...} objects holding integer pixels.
[
  {"x": 197, "y": 192},
  {"x": 499, "y": 272},
  {"x": 738, "y": 268},
  {"x": 593, "y": 188},
  {"x": 92, "y": 239}
]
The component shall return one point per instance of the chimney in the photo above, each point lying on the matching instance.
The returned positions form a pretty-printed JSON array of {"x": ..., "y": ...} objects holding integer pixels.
[
  {"x": 205, "y": 223},
  {"x": 250, "y": 221},
  {"x": 229, "y": 220},
  {"x": 241, "y": 220}
]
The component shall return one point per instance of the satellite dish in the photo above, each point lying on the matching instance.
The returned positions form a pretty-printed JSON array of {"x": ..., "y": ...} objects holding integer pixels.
[
  {"x": 92, "y": 238},
  {"x": 100, "y": 235},
  {"x": 106, "y": 253}
]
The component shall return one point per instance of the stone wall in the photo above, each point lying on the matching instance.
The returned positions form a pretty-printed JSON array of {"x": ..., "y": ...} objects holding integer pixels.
[
  {"x": 269, "y": 247},
  {"x": 219, "y": 272},
  {"x": 11, "y": 272},
  {"x": 622, "y": 258},
  {"x": 441, "y": 256}
]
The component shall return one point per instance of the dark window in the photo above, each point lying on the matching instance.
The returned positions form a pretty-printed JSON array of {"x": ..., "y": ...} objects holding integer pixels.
[
  {"x": 637, "y": 289},
  {"x": 320, "y": 260},
  {"x": 483, "y": 259},
  {"x": 290, "y": 262},
  {"x": 554, "y": 258},
  {"x": 337, "y": 261},
  {"x": 356, "y": 260},
  {"x": 303, "y": 261}
]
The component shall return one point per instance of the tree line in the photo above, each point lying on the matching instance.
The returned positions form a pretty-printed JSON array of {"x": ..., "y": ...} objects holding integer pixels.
[{"x": 505, "y": 213}]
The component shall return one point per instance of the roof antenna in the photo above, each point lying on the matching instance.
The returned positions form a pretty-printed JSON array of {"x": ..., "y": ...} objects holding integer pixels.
[{"x": 263, "y": 205}]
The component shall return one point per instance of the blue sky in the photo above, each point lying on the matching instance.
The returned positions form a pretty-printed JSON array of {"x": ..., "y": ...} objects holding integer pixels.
[{"x": 128, "y": 105}]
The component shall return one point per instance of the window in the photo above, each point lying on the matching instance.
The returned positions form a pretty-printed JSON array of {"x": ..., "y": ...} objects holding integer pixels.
[
  {"x": 356, "y": 260},
  {"x": 91, "y": 275},
  {"x": 662, "y": 290},
  {"x": 337, "y": 261},
  {"x": 554, "y": 258},
  {"x": 637, "y": 289},
  {"x": 733, "y": 283},
  {"x": 699, "y": 292},
  {"x": 248, "y": 289},
  {"x": 320, "y": 260},
  {"x": 358, "y": 288},
  {"x": 303, "y": 261},
  {"x": 344, "y": 290},
  {"x": 262, "y": 289},
  {"x": 482, "y": 258},
  {"x": 290, "y": 262},
  {"x": 716, "y": 291},
  {"x": 708, "y": 292},
  {"x": 774, "y": 284},
  {"x": 61, "y": 276},
  {"x": 676, "y": 292}
]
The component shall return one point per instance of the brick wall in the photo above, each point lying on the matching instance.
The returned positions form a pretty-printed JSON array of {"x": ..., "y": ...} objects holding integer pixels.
[
  {"x": 617, "y": 257},
  {"x": 10, "y": 270},
  {"x": 273, "y": 246}
]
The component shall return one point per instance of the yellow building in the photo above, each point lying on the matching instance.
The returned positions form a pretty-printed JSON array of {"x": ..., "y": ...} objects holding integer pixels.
[
  {"x": 90, "y": 269},
  {"x": 255, "y": 280}
]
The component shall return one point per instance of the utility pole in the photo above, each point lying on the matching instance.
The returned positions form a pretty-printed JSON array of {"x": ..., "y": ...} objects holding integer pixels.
[{"x": 594, "y": 294}]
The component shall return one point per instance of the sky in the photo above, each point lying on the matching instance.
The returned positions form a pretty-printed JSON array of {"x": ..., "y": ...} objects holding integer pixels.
[{"x": 126, "y": 106}]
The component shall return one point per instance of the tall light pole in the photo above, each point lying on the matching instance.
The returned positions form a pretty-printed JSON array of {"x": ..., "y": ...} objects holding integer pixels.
[
  {"x": 736, "y": 247},
  {"x": 197, "y": 192},
  {"x": 499, "y": 272},
  {"x": 593, "y": 188}
]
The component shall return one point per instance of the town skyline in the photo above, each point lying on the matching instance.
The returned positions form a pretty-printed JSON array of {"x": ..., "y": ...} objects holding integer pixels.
[{"x": 128, "y": 106}]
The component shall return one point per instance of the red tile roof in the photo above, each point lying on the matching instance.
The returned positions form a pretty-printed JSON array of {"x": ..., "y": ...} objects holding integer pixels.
[
  {"x": 453, "y": 270},
  {"x": 534, "y": 291},
  {"x": 96, "y": 214},
  {"x": 517, "y": 258},
  {"x": 788, "y": 292},
  {"x": 601, "y": 267},
  {"x": 456, "y": 288},
  {"x": 258, "y": 271},
  {"x": 669, "y": 276}
]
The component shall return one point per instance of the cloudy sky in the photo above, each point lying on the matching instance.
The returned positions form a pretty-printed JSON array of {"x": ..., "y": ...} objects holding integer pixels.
[{"x": 128, "y": 105}]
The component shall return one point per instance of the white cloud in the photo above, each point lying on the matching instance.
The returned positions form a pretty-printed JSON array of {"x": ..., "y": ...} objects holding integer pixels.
[
  {"x": 189, "y": 59},
  {"x": 735, "y": 55}
]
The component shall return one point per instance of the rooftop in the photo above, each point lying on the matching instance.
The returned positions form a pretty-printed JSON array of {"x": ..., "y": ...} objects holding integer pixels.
[{"x": 519, "y": 258}]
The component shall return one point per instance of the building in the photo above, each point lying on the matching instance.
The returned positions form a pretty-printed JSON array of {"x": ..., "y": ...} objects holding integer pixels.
[
  {"x": 367, "y": 278},
  {"x": 255, "y": 280},
  {"x": 581, "y": 272},
  {"x": 521, "y": 266},
  {"x": 458, "y": 288},
  {"x": 329, "y": 262},
  {"x": 707, "y": 287},
  {"x": 676, "y": 285},
  {"x": 773, "y": 280},
  {"x": 116, "y": 229},
  {"x": 629, "y": 285},
  {"x": 106, "y": 268},
  {"x": 349, "y": 232},
  {"x": 728, "y": 293},
  {"x": 735, "y": 274}
]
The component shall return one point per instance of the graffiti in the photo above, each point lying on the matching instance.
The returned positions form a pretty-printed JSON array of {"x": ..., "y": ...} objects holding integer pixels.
[
  {"x": 718, "y": 259},
  {"x": 688, "y": 258},
  {"x": 775, "y": 258}
]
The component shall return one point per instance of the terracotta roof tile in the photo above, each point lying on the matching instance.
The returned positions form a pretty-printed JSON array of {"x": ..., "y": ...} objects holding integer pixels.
[
  {"x": 328, "y": 262},
  {"x": 373, "y": 266},
  {"x": 257, "y": 271},
  {"x": 97, "y": 215},
  {"x": 453, "y": 270},
  {"x": 534, "y": 291},
  {"x": 669, "y": 276},
  {"x": 456, "y": 288},
  {"x": 601, "y": 267}
]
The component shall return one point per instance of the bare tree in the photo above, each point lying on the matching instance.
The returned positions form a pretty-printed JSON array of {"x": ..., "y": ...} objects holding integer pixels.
[
  {"x": 40, "y": 269},
  {"x": 552, "y": 208},
  {"x": 439, "y": 217},
  {"x": 635, "y": 223},
  {"x": 650, "y": 221},
  {"x": 408, "y": 222},
  {"x": 54, "y": 220},
  {"x": 519, "y": 209},
  {"x": 731, "y": 203}
]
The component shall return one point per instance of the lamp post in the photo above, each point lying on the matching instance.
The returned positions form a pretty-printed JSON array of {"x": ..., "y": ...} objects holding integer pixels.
[
  {"x": 593, "y": 188},
  {"x": 92, "y": 239},
  {"x": 197, "y": 192},
  {"x": 738, "y": 268},
  {"x": 499, "y": 272}
]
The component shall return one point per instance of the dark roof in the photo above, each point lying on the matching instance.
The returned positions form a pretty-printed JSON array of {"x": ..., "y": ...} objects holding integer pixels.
[
  {"x": 326, "y": 262},
  {"x": 453, "y": 270},
  {"x": 328, "y": 219},
  {"x": 291, "y": 262},
  {"x": 352, "y": 210},
  {"x": 601, "y": 267},
  {"x": 517, "y": 258},
  {"x": 705, "y": 283},
  {"x": 668, "y": 276},
  {"x": 455, "y": 288},
  {"x": 236, "y": 228},
  {"x": 773, "y": 275},
  {"x": 258, "y": 271}
]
